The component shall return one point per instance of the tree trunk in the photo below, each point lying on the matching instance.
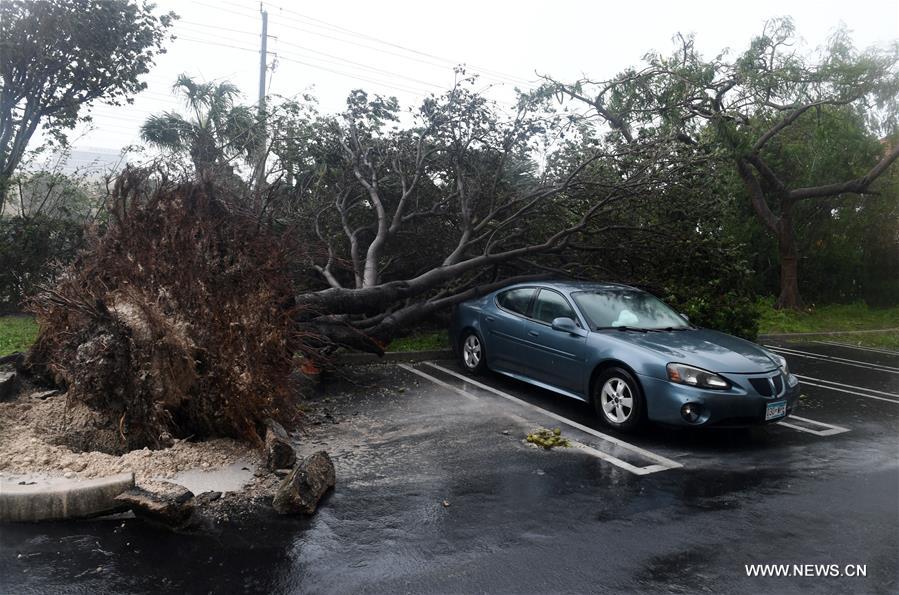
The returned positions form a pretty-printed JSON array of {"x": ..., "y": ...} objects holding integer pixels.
[
  {"x": 789, "y": 261},
  {"x": 4, "y": 188}
]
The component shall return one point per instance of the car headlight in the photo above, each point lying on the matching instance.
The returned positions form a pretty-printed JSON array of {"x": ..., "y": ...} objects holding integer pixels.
[
  {"x": 781, "y": 362},
  {"x": 684, "y": 374}
]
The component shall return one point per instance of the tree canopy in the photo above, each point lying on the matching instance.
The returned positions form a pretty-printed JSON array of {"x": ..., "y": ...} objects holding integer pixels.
[
  {"x": 747, "y": 106},
  {"x": 60, "y": 55},
  {"x": 216, "y": 132}
]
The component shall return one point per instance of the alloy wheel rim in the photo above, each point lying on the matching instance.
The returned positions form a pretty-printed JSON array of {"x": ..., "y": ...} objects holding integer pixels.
[
  {"x": 617, "y": 400},
  {"x": 471, "y": 352}
]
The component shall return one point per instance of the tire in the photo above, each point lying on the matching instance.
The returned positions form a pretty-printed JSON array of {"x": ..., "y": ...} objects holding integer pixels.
[
  {"x": 472, "y": 355},
  {"x": 613, "y": 391}
]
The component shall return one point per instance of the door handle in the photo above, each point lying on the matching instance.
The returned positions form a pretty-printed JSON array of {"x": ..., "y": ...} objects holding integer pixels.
[
  {"x": 534, "y": 333},
  {"x": 490, "y": 319}
]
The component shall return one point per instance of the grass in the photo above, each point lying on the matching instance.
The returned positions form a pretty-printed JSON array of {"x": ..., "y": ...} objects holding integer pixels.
[
  {"x": 17, "y": 333},
  {"x": 883, "y": 340},
  {"x": 836, "y": 317},
  {"x": 421, "y": 341}
]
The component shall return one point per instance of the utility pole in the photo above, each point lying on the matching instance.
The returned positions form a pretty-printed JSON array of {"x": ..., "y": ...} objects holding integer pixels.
[
  {"x": 263, "y": 57},
  {"x": 263, "y": 68}
]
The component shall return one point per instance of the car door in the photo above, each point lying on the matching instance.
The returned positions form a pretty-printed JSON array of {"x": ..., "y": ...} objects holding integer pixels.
[
  {"x": 504, "y": 323},
  {"x": 555, "y": 357}
]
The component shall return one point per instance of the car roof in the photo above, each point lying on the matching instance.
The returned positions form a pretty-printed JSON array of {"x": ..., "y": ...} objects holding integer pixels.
[{"x": 572, "y": 286}]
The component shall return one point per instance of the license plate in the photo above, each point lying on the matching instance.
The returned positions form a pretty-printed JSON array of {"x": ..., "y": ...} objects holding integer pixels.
[{"x": 775, "y": 410}]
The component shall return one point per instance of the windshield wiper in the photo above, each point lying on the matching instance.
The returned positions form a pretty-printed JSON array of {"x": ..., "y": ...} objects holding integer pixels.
[{"x": 621, "y": 328}]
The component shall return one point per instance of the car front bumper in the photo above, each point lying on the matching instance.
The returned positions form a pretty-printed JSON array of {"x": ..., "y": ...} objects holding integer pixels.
[{"x": 738, "y": 406}]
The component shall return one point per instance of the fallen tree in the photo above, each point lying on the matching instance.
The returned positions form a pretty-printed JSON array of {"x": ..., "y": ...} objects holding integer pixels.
[
  {"x": 177, "y": 321},
  {"x": 405, "y": 221}
]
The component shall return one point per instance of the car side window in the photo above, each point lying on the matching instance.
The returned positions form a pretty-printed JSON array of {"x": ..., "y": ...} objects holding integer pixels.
[
  {"x": 551, "y": 305},
  {"x": 516, "y": 300}
]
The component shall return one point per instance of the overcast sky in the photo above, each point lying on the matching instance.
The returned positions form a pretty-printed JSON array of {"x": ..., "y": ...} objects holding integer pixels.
[{"x": 408, "y": 48}]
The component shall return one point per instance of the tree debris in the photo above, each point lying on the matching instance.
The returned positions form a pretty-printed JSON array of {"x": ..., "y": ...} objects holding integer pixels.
[{"x": 548, "y": 438}]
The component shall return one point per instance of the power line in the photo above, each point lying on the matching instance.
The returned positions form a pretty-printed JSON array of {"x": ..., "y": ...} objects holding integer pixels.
[
  {"x": 446, "y": 62},
  {"x": 310, "y": 50},
  {"x": 313, "y": 51},
  {"x": 386, "y": 84},
  {"x": 219, "y": 27},
  {"x": 378, "y": 49},
  {"x": 218, "y": 7},
  {"x": 225, "y": 45},
  {"x": 289, "y": 58},
  {"x": 360, "y": 64},
  {"x": 240, "y": 6},
  {"x": 346, "y": 31}
]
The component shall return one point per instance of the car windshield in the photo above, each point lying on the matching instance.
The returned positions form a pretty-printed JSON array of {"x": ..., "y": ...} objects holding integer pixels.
[{"x": 627, "y": 308}]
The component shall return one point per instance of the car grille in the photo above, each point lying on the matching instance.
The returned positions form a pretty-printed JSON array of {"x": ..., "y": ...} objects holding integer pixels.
[{"x": 763, "y": 386}]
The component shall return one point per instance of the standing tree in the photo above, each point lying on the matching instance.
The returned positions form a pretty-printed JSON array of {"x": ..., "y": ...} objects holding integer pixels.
[
  {"x": 57, "y": 56},
  {"x": 217, "y": 133},
  {"x": 746, "y": 108}
]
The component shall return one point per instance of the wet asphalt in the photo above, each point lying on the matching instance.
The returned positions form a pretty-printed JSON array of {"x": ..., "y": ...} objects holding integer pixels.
[{"x": 439, "y": 493}]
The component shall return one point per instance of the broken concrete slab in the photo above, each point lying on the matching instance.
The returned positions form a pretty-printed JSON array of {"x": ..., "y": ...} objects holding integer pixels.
[
  {"x": 69, "y": 499},
  {"x": 169, "y": 504}
]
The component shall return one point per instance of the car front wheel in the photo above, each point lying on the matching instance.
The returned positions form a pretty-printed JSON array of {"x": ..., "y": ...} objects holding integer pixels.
[
  {"x": 472, "y": 354},
  {"x": 618, "y": 399}
]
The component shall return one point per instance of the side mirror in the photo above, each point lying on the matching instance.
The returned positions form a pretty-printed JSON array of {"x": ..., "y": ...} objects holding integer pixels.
[{"x": 565, "y": 325}]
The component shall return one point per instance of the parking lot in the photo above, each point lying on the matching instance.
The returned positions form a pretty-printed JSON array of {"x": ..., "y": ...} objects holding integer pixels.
[{"x": 439, "y": 492}]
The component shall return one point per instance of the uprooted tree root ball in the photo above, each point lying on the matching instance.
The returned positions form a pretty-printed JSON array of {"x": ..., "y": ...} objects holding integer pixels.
[{"x": 176, "y": 322}]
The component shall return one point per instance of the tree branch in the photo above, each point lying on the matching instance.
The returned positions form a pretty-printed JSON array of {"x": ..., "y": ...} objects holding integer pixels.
[{"x": 856, "y": 186}]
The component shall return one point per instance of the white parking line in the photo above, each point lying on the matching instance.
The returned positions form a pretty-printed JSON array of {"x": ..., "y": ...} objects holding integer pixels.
[
  {"x": 830, "y": 431},
  {"x": 662, "y": 462},
  {"x": 859, "y": 347},
  {"x": 439, "y": 382},
  {"x": 861, "y": 388},
  {"x": 836, "y": 360},
  {"x": 790, "y": 350},
  {"x": 589, "y": 449},
  {"x": 843, "y": 390}
]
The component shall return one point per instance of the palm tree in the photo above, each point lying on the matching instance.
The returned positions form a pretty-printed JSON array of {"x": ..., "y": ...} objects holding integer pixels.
[{"x": 216, "y": 132}]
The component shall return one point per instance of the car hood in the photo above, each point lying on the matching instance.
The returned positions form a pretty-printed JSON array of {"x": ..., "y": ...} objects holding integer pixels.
[{"x": 704, "y": 348}]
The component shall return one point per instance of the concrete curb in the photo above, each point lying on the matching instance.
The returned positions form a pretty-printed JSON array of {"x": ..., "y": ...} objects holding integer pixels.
[
  {"x": 359, "y": 359},
  {"x": 65, "y": 500},
  {"x": 820, "y": 333}
]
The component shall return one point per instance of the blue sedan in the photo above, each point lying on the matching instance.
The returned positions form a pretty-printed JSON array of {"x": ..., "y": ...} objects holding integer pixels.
[{"x": 624, "y": 351}]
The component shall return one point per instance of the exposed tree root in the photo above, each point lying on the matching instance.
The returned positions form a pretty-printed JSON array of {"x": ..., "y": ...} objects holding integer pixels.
[{"x": 177, "y": 321}]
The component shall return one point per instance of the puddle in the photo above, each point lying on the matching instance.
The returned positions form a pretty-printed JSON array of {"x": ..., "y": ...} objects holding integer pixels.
[{"x": 223, "y": 479}]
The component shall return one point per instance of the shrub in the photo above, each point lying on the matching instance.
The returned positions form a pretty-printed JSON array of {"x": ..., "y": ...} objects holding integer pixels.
[{"x": 30, "y": 250}]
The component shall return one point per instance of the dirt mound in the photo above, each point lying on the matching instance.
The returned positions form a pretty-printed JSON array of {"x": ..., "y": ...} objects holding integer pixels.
[{"x": 176, "y": 322}]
